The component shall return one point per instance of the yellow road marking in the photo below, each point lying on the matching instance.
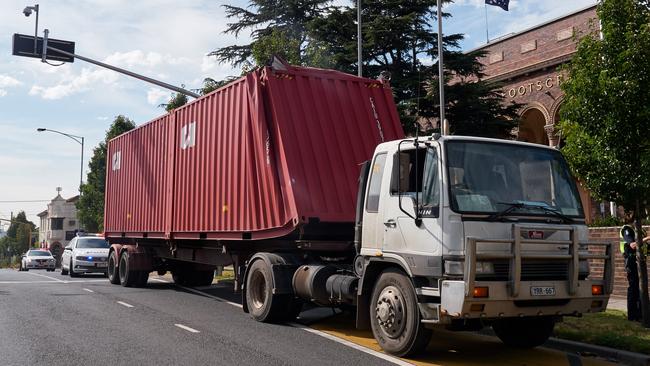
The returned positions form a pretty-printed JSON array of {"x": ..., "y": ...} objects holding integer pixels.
[{"x": 456, "y": 348}]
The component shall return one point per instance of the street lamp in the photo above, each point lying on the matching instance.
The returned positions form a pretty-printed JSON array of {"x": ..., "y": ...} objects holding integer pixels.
[{"x": 77, "y": 139}]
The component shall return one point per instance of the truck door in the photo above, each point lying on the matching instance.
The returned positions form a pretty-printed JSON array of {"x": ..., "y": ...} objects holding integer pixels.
[
  {"x": 373, "y": 228},
  {"x": 419, "y": 186}
]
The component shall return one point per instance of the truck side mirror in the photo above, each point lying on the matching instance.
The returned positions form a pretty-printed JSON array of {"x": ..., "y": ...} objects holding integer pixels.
[{"x": 400, "y": 178}]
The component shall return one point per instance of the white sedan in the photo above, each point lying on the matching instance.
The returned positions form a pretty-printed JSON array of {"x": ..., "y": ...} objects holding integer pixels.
[
  {"x": 37, "y": 259},
  {"x": 85, "y": 254}
]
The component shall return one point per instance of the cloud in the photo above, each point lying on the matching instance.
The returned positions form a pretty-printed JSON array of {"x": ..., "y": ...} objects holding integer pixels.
[
  {"x": 88, "y": 79},
  {"x": 7, "y": 82},
  {"x": 155, "y": 96}
]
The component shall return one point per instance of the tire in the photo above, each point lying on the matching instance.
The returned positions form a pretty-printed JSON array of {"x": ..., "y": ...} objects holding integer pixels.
[
  {"x": 395, "y": 317},
  {"x": 112, "y": 271},
  {"x": 128, "y": 278},
  {"x": 263, "y": 304},
  {"x": 524, "y": 332},
  {"x": 179, "y": 275},
  {"x": 71, "y": 270},
  {"x": 64, "y": 272}
]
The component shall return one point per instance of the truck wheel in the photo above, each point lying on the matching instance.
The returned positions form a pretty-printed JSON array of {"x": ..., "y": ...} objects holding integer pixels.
[
  {"x": 395, "y": 317},
  {"x": 263, "y": 304},
  {"x": 524, "y": 332},
  {"x": 179, "y": 275},
  {"x": 113, "y": 275},
  {"x": 128, "y": 278}
]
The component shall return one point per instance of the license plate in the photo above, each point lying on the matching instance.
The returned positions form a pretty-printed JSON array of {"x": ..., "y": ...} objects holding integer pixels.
[{"x": 542, "y": 291}]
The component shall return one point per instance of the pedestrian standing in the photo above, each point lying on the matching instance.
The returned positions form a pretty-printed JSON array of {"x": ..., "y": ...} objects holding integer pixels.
[{"x": 628, "y": 248}]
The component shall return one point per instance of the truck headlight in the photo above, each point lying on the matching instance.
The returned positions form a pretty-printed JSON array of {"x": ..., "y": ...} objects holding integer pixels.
[
  {"x": 454, "y": 268},
  {"x": 484, "y": 268}
]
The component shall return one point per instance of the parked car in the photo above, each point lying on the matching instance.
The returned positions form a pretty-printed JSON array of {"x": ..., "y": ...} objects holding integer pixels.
[
  {"x": 37, "y": 259},
  {"x": 85, "y": 254}
]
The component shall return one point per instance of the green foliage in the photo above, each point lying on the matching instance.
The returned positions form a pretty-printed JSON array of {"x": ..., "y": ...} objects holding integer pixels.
[
  {"x": 606, "y": 114},
  {"x": 610, "y": 329},
  {"x": 177, "y": 100},
  {"x": 17, "y": 240},
  {"x": 90, "y": 207},
  {"x": 607, "y": 221},
  {"x": 398, "y": 43},
  {"x": 263, "y": 18},
  {"x": 278, "y": 42},
  {"x": 210, "y": 85}
]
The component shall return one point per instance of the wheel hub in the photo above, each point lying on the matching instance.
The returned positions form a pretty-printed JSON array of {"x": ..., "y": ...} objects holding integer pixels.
[{"x": 390, "y": 312}]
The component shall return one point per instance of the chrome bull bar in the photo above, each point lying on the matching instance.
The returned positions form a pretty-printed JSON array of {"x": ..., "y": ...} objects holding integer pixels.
[{"x": 515, "y": 257}]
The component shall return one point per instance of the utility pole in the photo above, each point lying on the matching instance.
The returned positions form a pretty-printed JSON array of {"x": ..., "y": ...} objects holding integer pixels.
[
  {"x": 441, "y": 75},
  {"x": 359, "y": 40}
]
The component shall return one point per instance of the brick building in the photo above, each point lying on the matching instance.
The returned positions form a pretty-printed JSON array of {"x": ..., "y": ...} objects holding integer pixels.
[{"x": 527, "y": 65}]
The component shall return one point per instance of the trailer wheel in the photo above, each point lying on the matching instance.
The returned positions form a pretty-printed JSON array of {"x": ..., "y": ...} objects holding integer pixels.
[
  {"x": 395, "y": 317},
  {"x": 128, "y": 278},
  {"x": 180, "y": 277},
  {"x": 113, "y": 275},
  {"x": 142, "y": 278},
  {"x": 263, "y": 304},
  {"x": 524, "y": 332}
]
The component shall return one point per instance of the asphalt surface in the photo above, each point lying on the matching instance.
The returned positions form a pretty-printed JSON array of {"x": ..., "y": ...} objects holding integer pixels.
[{"x": 50, "y": 319}]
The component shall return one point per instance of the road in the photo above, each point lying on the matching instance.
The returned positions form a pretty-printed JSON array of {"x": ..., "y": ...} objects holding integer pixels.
[{"x": 50, "y": 319}]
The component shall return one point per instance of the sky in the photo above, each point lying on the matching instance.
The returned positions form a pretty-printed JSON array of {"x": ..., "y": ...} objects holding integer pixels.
[{"x": 164, "y": 39}]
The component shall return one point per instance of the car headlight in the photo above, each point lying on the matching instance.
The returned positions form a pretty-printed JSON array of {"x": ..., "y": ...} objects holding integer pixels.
[{"x": 29, "y": 260}]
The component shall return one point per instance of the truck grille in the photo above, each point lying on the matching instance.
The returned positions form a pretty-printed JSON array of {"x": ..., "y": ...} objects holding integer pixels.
[{"x": 530, "y": 271}]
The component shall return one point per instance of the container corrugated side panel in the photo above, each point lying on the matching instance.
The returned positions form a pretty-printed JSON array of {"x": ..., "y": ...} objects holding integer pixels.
[
  {"x": 226, "y": 184},
  {"x": 137, "y": 195},
  {"x": 328, "y": 123}
]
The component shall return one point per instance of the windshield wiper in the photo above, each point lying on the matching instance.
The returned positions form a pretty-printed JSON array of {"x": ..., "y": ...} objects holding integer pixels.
[
  {"x": 501, "y": 214},
  {"x": 526, "y": 205}
]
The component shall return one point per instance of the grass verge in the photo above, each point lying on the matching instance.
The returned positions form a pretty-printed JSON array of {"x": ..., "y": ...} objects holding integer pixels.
[{"x": 610, "y": 329}]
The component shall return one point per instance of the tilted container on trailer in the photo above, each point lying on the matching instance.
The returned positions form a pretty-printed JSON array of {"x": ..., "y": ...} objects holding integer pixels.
[{"x": 274, "y": 155}]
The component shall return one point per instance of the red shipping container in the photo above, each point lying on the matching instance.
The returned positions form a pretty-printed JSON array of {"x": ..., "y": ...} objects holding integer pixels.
[{"x": 252, "y": 160}]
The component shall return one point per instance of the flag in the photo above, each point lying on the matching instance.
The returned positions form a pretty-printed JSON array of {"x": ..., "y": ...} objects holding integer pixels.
[{"x": 503, "y": 4}]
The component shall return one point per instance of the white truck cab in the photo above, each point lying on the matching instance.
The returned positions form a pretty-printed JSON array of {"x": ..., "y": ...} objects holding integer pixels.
[{"x": 473, "y": 232}]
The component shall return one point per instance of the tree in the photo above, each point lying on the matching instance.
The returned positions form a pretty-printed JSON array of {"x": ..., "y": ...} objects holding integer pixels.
[
  {"x": 273, "y": 23},
  {"x": 606, "y": 116},
  {"x": 176, "y": 100},
  {"x": 90, "y": 207},
  {"x": 400, "y": 43},
  {"x": 19, "y": 235}
]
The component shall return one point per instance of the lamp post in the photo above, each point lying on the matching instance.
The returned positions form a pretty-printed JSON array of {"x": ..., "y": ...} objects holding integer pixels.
[{"x": 77, "y": 139}]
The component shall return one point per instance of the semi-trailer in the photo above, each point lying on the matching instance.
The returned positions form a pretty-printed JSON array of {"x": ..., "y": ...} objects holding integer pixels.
[{"x": 302, "y": 179}]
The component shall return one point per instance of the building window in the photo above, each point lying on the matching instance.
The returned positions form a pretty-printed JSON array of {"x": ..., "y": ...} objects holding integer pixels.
[
  {"x": 69, "y": 235},
  {"x": 56, "y": 224},
  {"x": 72, "y": 223}
]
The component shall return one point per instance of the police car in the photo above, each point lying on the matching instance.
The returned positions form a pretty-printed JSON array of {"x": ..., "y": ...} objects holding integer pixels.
[{"x": 86, "y": 253}]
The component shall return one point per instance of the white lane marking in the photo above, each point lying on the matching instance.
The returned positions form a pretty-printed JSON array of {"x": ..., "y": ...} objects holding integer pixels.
[
  {"x": 342, "y": 341},
  {"x": 41, "y": 275},
  {"x": 211, "y": 296},
  {"x": 24, "y": 282},
  {"x": 88, "y": 290},
  {"x": 125, "y": 304},
  {"x": 159, "y": 280},
  {"x": 191, "y": 330}
]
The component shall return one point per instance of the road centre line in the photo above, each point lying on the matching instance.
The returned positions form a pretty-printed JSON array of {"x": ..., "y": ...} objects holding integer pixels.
[
  {"x": 125, "y": 304},
  {"x": 342, "y": 341},
  {"x": 88, "y": 290},
  {"x": 185, "y": 327}
]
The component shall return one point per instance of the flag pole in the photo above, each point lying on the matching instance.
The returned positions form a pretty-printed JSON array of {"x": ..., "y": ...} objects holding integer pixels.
[
  {"x": 487, "y": 29},
  {"x": 441, "y": 76}
]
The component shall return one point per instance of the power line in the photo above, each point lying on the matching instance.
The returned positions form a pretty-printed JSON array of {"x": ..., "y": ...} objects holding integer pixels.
[{"x": 24, "y": 201}]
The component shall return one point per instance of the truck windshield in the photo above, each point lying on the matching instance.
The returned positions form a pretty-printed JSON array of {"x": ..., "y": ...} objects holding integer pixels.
[{"x": 489, "y": 177}]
